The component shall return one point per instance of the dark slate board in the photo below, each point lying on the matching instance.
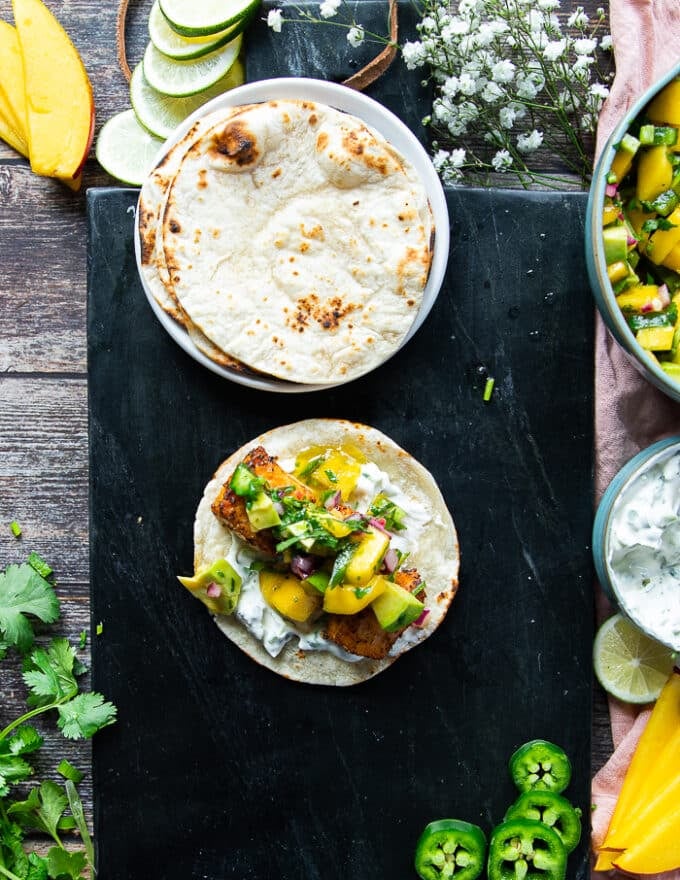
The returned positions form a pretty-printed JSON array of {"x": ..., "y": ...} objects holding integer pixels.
[
  {"x": 323, "y": 52},
  {"x": 218, "y": 768}
]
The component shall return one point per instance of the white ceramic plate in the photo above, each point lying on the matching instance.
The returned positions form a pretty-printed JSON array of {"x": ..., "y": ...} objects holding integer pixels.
[{"x": 375, "y": 115}]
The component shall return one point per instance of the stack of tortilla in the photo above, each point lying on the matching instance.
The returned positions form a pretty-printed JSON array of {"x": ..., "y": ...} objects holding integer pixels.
[{"x": 289, "y": 239}]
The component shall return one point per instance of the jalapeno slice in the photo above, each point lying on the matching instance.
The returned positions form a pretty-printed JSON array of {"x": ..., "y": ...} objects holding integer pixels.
[
  {"x": 450, "y": 848},
  {"x": 541, "y": 765},
  {"x": 551, "y": 809},
  {"x": 522, "y": 848}
]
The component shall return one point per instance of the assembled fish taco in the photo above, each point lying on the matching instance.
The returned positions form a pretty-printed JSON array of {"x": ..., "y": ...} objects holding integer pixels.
[{"x": 325, "y": 551}]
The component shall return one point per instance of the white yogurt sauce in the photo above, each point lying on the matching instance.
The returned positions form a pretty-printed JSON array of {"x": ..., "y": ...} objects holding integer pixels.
[
  {"x": 644, "y": 549},
  {"x": 266, "y": 624}
]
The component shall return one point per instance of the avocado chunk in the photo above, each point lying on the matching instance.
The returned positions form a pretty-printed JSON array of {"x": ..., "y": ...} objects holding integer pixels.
[
  {"x": 261, "y": 512},
  {"x": 396, "y": 608},
  {"x": 318, "y": 580},
  {"x": 615, "y": 240},
  {"x": 218, "y": 587}
]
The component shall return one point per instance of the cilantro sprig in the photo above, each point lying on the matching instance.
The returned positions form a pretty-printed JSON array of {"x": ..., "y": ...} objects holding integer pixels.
[{"x": 51, "y": 676}]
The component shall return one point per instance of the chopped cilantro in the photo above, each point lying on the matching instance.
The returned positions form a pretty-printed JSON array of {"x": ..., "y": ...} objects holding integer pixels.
[
  {"x": 360, "y": 592},
  {"x": 82, "y": 639},
  {"x": 657, "y": 223},
  {"x": 38, "y": 563},
  {"x": 15, "y": 528},
  {"x": 331, "y": 476}
]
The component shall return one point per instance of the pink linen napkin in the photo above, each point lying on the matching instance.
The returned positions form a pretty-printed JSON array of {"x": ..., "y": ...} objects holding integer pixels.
[{"x": 629, "y": 412}]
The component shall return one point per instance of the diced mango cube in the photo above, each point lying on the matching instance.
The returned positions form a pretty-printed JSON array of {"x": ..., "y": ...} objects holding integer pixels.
[
  {"x": 662, "y": 242},
  {"x": 666, "y": 106},
  {"x": 656, "y": 338},
  {"x": 346, "y": 599},
  {"x": 366, "y": 559},
  {"x": 289, "y": 596},
  {"x": 655, "y": 173},
  {"x": 637, "y": 297}
]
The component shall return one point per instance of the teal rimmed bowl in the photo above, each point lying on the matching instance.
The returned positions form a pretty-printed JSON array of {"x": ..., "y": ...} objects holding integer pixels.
[
  {"x": 606, "y": 516},
  {"x": 595, "y": 258}
]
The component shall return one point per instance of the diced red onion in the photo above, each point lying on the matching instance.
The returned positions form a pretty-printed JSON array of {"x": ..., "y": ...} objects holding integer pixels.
[
  {"x": 611, "y": 189},
  {"x": 664, "y": 295},
  {"x": 630, "y": 240},
  {"x": 421, "y": 620},
  {"x": 302, "y": 565},
  {"x": 378, "y": 522},
  {"x": 333, "y": 500},
  {"x": 390, "y": 560},
  {"x": 213, "y": 590},
  {"x": 647, "y": 307}
]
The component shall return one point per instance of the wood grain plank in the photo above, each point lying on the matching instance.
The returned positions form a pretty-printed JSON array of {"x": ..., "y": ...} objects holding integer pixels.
[{"x": 44, "y": 472}]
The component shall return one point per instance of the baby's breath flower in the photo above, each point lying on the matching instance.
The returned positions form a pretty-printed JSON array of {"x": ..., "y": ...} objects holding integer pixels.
[
  {"x": 466, "y": 84},
  {"x": 597, "y": 90},
  {"x": 503, "y": 71},
  {"x": 355, "y": 36},
  {"x": 413, "y": 55},
  {"x": 554, "y": 49},
  {"x": 275, "y": 20},
  {"x": 492, "y": 93},
  {"x": 585, "y": 46},
  {"x": 329, "y": 8},
  {"x": 548, "y": 5},
  {"x": 502, "y": 161},
  {"x": 507, "y": 117},
  {"x": 528, "y": 143},
  {"x": 606, "y": 42},
  {"x": 578, "y": 18}
]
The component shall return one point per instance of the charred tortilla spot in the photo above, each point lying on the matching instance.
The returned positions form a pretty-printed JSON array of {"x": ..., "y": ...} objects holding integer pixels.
[
  {"x": 327, "y": 315},
  {"x": 313, "y": 119},
  {"x": 276, "y": 173},
  {"x": 322, "y": 141},
  {"x": 237, "y": 143},
  {"x": 175, "y": 227},
  {"x": 315, "y": 232},
  {"x": 202, "y": 182}
]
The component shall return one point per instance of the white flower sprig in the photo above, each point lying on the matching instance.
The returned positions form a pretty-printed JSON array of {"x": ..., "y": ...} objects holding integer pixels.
[
  {"x": 511, "y": 81},
  {"x": 511, "y": 78}
]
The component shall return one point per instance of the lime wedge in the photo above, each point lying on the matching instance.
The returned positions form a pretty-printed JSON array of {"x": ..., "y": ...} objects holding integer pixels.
[
  {"x": 126, "y": 150},
  {"x": 182, "y": 78},
  {"x": 628, "y": 664},
  {"x": 180, "y": 48},
  {"x": 193, "y": 19},
  {"x": 161, "y": 114}
]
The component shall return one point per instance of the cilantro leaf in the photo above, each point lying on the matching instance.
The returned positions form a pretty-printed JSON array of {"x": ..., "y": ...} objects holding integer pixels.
[
  {"x": 84, "y": 715},
  {"x": 12, "y": 854},
  {"x": 13, "y": 769},
  {"x": 78, "y": 813},
  {"x": 23, "y": 591},
  {"x": 42, "y": 809},
  {"x": 63, "y": 864},
  {"x": 49, "y": 673},
  {"x": 37, "y": 868},
  {"x": 25, "y": 740}
]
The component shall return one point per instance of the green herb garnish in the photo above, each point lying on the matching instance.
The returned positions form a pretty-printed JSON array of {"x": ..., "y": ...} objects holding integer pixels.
[
  {"x": 488, "y": 389},
  {"x": 310, "y": 467},
  {"x": 50, "y": 673},
  {"x": 39, "y": 564},
  {"x": 15, "y": 528}
]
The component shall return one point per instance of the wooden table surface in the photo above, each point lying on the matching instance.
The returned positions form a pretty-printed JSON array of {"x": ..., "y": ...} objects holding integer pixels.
[{"x": 43, "y": 368}]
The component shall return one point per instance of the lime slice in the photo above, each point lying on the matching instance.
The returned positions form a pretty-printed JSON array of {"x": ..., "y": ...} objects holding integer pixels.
[
  {"x": 193, "y": 19},
  {"x": 628, "y": 664},
  {"x": 126, "y": 150},
  {"x": 180, "y": 48},
  {"x": 182, "y": 78},
  {"x": 161, "y": 114}
]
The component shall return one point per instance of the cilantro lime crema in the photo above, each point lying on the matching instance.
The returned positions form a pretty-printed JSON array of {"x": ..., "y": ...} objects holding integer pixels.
[
  {"x": 272, "y": 629},
  {"x": 644, "y": 549}
]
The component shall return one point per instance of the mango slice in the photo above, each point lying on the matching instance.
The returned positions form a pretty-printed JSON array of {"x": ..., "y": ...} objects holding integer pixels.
[
  {"x": 647, "y": 772},
  {"x": 656, "y": 849},
  {"x": 12, "y": 98},
  {"x": 10, "y": 136},
  {"x": 59, "y": 101}
]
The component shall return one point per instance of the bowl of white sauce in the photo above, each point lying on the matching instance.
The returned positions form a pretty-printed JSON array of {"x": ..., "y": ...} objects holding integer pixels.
[{"x": 636, "y": 541}]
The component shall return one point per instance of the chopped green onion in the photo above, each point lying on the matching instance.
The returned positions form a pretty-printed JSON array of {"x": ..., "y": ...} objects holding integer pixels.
[
  {"x": 38, "y": 564},
  {"x": 100, "y": 628},
  {"x": 68, "y": 771},
  {"x": 612, "y": 178},
  {"x": 488, "y": 389},
  {"x": 15, "y": 528}
]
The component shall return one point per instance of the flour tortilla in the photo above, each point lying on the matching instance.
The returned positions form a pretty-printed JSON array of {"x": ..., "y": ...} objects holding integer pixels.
[
  {"x": 152, "y": 200},
  {"x": 298, "y": 241},
  {"x": 436, "y": 557}
]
